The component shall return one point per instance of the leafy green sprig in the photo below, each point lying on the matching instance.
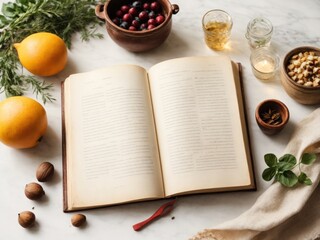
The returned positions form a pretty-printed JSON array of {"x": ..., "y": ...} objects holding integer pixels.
[
  {"x": 22, "y": 18},
  {"x": 282, "y": 169}
]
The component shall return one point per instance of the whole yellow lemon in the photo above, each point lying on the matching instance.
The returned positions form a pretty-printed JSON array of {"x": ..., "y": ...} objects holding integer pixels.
[
  {"x": 23, "y": 122},
  {"x": 43, "y": 54}
]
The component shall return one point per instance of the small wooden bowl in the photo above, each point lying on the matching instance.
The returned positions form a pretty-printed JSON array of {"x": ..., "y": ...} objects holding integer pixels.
[
  {"x": 302, "y": 94},
  {"x": 276, "y": 106},
  {"x": 136, "y": 41}
]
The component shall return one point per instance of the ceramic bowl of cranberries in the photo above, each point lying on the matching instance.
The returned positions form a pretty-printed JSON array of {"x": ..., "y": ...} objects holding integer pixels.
[{"x": 137, "y": 26}]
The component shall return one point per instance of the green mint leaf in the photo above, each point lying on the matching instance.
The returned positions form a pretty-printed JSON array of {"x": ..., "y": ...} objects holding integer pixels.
[
  {"x": 288, "y": 178},
  {"x": 270, "y": 159},
  {"x": 269, "y": 173},
  {"x": 284, "y": 166},
  {"x": 308, "y": 158},
  {"x": 308, "y": 182},
  {"x": 288, "y": 158},
  {"x": 302, "y": 177}
]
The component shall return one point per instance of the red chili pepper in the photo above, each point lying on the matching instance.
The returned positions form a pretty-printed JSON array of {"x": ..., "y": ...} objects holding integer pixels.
[{"x": 163, "y": 210}]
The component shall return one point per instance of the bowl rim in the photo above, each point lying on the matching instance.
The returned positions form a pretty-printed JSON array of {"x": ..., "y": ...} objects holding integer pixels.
[
  {"x": 139, "y": 33},
  {"x": 288, "y": 56},
  {"x": 275, "y": 102}
]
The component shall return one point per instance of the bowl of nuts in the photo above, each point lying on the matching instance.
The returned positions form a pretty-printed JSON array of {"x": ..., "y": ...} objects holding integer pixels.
[
  {"x": 137, "y": 26},
  {"x": 300, "y": 74},
  {"x": 271, "y": 116}
]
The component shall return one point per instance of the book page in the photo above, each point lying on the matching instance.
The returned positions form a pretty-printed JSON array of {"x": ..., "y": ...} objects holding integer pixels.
[
  {"x": 112, "y": 151},
  {"x": 198, "y": 124}
]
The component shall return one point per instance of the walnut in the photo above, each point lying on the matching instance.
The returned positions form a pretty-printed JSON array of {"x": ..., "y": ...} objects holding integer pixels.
[
  {"x": 78, "y": 220},
  {"x": 33, "y": 191},
  {"x": 26, "y": 219},
  {"x": 303, "y": 68},
  {"x": 44, "y": 172}
]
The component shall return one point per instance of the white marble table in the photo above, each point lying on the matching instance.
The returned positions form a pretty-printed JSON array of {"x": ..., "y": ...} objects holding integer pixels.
[{"x": 296, "y": 23}]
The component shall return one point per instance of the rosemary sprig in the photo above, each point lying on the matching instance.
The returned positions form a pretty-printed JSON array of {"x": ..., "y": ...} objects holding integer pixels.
[{"x": 21, "y": 18}]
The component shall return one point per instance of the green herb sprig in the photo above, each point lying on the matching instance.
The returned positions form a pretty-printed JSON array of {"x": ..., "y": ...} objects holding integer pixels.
[
  {"x": 281, "y": 169},
  {"x": 22, "y": 18}
]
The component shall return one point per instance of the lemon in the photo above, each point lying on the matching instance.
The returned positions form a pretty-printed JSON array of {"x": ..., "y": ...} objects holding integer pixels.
[
  {"x": 23, "y": 122},
  {"x": 43, "y": 54}
]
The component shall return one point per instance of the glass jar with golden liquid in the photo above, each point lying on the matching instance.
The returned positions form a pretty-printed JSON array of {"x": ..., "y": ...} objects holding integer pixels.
[{"x": 217, "y": 25}]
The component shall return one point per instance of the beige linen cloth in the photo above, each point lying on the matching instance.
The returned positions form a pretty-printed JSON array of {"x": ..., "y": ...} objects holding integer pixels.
[{"x": 282, "y": 213}]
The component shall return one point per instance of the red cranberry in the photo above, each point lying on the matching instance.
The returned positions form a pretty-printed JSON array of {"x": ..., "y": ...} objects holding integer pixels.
[
  {"x": 133, "y": 11},
  {"x": 143, "y": 16},
  {"x": 140, "y": 15},
  {"x": 160, "y": 19},
  {"x": 152, "y": 21},
  {"x": 146, "y": 6},
  {"x": 143, "y": 26},
  {"x": 151, "y": 26},
  {"x": 135, "y": 23},
  {"x": 125, "y": 8},
  {"x": 119, "y": 14},
  {"x": 127, "y": 17},
  {"x": 155, "y": 6},
  {"x": 116, "y": 21},
  {"x": 132, "y": 28}
]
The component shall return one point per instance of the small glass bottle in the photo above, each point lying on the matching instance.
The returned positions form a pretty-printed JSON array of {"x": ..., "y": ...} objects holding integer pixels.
[{"x": 259, "y": 32}]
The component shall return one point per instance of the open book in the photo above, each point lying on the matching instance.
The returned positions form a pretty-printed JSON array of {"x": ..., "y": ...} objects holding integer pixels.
[{"x": 131, "y": 135}]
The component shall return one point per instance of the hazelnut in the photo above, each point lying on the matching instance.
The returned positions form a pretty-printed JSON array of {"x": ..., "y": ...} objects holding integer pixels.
[
  {"x": 78, "y": 219},
  {"x": 26, "y": 219},
  {"x": 303, "y": 69},
  {"x": 33, "y": 191},
  {"x": 44, "y": 172}
]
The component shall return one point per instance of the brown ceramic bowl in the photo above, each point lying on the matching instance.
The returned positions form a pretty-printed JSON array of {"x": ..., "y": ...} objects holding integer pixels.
[
  {"x": 300, "y": 93},
  {"x": 136, "y": 41},
  {"x": 269, "y": 125}
]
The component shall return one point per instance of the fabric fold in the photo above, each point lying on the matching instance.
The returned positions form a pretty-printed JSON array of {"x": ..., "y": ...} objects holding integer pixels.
[{"x": 280, "y": 212}]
